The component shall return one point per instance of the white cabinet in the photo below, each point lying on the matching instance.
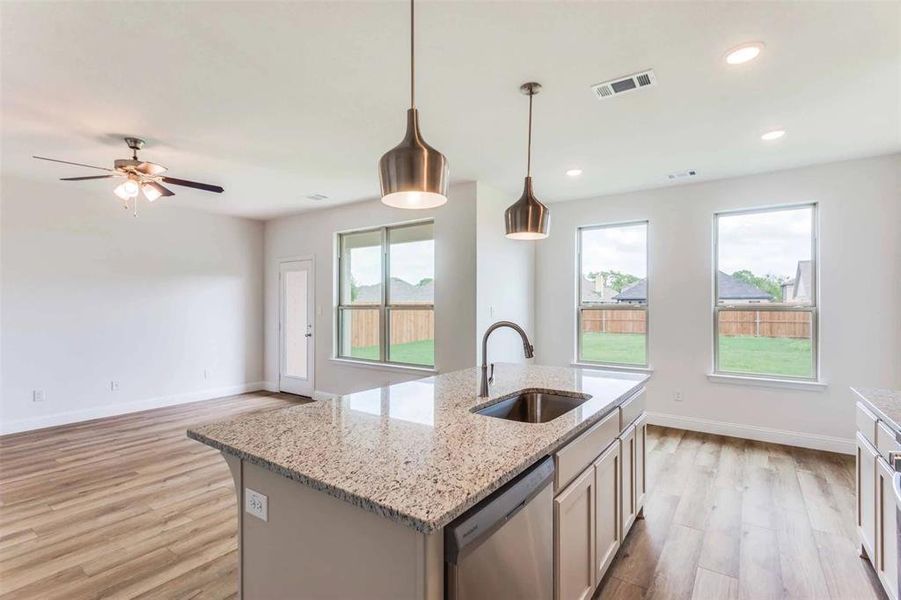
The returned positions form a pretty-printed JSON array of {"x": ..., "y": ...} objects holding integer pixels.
[
  {"x": 641, "y": 477},
  {"x": 574, "y": 537},
  {"x": 886, "y": 529},
  {"x": 866, "y": 495},
  {"x": 627, "y": 471},
  {"x": 608, "y": 534}
]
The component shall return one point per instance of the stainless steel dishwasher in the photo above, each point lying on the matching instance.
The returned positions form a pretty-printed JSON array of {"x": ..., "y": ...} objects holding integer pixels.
[{"x": 503, "y": 547}]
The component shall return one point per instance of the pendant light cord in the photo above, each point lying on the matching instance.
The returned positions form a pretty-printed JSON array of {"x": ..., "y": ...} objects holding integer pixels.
[
  {"x": 529, "y": 152},
  {"x": 412, "y": 58}
]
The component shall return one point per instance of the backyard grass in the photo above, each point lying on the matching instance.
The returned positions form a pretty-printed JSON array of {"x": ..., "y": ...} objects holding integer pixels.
[
  {"x": 414, "y": 353},
  {"x": 738, "y": 354}
]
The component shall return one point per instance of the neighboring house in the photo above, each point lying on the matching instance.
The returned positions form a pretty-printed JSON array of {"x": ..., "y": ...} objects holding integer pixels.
[
  {"x": 730, "y": 289},
  {"x": 798, "y": 290},
  {"x": 402, "y": 292},
  {"x": 594, "y": 290}
]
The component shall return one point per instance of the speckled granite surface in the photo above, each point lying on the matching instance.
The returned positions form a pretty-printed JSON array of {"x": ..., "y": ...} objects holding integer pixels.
[
  {"x": 885, "y": 403},
  {"x": 414, "y": 452}
]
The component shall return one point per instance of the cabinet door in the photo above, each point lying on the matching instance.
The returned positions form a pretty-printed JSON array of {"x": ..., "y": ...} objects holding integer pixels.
[
  {"x": 866, "y": 496},
  {"x": 627, "y": 478},
  {"x": 641, "y": 477},
  {"x": 574, "y": 539},
  {"x": 606, "y": 509},
  {"x": 887, "y": 532}
]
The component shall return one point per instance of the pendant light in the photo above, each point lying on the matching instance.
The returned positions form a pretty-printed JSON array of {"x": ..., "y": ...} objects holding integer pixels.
[
  {"x": 413, "y": 174},
  {"x": 527, "y": 218}
]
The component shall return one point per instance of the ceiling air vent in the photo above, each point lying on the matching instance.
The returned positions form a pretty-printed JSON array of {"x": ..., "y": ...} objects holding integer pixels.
[
  {"x": 624, "y": 85},
  {"x": 682, "y": 174}
]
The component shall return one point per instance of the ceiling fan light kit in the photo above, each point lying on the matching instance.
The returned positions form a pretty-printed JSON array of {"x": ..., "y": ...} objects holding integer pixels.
[
  {"x": 528, "y": 218},
  {"x": 413, "y": 175},
  {"x": 140, "y": 177}
]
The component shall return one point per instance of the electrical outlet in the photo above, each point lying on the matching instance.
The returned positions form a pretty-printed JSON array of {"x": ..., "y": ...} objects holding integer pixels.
[
  {"x": 114, "y": 386},
  {"x": 256, "y": 504},
  {"x": 37, "y": 396},
  {"x": 677, "y": 396}
]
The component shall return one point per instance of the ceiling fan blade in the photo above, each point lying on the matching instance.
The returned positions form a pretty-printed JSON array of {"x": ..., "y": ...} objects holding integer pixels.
[
  {"x": 194, "y": 184},
  {"x": 149, "y": 168},
  {"x": 84, "y": 178},
  {"x": 66, "y": 162},
  {"x": 164, "y": 191}
]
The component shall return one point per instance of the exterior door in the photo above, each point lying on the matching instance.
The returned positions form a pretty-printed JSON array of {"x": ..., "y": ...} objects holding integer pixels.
[{"x": 296, "y": 335}]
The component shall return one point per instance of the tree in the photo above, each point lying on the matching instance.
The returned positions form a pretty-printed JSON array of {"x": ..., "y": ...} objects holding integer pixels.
[
  {"x": 769, "y": 283},
  {"x": 424, "y": 281},
  {"x": 614, "y": 279}
]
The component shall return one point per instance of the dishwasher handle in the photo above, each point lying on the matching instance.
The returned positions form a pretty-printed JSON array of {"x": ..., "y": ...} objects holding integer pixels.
[{"x": 478, "y": 523}]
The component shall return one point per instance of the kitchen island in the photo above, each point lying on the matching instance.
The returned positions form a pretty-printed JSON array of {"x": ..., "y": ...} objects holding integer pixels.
[{"x": 359, "y": 488}]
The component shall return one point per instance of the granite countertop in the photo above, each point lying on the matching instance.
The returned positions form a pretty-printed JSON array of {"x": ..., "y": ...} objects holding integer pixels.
[
  {"x": 414, "y": 452},
  {"x": 885, "y": 403}
]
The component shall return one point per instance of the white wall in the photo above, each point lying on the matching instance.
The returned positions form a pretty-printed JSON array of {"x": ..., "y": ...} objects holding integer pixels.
[
  {"x": 505, "y": 281},
  {"x": 92, "y": 294},
  {"x": 860, "y": 275},
  {"x": 313, "y": 234}
]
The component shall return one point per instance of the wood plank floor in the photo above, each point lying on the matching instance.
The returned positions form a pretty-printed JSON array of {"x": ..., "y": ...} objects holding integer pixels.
[
  {"x": 731, "y": 518},
  {"x": 128, "y": 507}
]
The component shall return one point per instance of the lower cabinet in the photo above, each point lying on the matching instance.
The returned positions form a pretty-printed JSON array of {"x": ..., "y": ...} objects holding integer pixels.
[
  {"x": 608, "y": 534},
  {"x": 887, "y": 529},
  {"x": 627, "y": 469},
  {"x": 866, "y": 495},
  {"x": 574, "y": 536}
]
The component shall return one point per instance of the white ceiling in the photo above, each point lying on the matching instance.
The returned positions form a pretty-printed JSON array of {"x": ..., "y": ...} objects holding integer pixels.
[{"x": 276, "y": 101}]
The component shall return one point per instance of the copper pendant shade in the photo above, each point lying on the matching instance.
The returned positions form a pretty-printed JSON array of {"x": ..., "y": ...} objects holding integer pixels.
[
  {"x": 528, "y": 218},
  {"x": 413, "y": 174}
]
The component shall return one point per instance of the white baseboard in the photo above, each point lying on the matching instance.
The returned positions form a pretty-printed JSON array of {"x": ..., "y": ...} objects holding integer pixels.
[
  {"x": 752, "y": 432},
  {"x": 98, "y": 412},
  {"x": 270, "y": 386}
]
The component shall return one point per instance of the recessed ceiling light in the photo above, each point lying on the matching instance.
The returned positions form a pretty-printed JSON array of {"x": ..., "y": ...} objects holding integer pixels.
[
  {"x": 744, "y": 53},
  {"x": 775, "y": 134},
  {"x": 574, "y": 172}
]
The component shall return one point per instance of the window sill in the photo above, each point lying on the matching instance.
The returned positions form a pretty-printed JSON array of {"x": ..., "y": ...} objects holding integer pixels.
[
  {"x": 384, "y": 366},
  {"x": 602, "y": 367},
  {"x": 786, "y": 384}
]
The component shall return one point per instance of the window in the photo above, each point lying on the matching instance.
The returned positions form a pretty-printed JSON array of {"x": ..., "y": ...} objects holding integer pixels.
[
  {"x": 386, "y": 295},
  {"x": 765, "y": 311},
  {"x": 613, "y": 294}
]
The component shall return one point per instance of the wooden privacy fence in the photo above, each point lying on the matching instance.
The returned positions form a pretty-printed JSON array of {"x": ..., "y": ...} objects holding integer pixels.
[
  {"x": 406, "y": 326},
  {"x": 614, "y": 321},
  {"x": 765, "y": 323}
]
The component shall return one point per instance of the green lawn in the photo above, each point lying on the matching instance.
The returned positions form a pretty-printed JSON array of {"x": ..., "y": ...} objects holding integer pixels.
[
  {"x": 414, "y": 353},
  {"x": 739, "y": 354}
]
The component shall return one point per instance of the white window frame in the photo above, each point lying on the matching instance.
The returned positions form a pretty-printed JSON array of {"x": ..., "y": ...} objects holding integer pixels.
[
  {"x": 384, "y": 307},
  {"x": 580, "y": 306},
  {"x": 812, "y": 308}
]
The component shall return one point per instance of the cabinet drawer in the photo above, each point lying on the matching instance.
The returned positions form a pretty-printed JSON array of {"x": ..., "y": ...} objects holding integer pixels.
[
  {"x": 573, "y": 458},
  {"x": 866, "y": 423},
  {"x": 886, "y": 441},
  {"x": 631, "y": 409}
]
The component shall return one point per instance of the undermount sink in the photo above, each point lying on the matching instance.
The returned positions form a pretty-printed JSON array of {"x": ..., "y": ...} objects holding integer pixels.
[{"x": 533, "y": 407}]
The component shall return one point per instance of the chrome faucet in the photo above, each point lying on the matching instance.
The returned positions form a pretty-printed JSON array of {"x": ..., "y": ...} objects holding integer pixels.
[{"x": 527, "y": 348}]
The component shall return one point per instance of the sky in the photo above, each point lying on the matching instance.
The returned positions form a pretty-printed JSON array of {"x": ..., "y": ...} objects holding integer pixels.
[
  {"x": 765, "y": 243},
  {"x": 411, "y": 261},
  {"x": 622, "y": 249}
]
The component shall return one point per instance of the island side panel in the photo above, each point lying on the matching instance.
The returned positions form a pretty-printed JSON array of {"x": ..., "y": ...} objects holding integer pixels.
[
  {"x": 317, "y": 546},
  {"x": 234, "y": 465}
]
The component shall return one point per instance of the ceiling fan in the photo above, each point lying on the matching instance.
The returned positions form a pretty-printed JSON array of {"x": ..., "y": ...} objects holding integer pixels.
[{"x": 140, "y": 176}]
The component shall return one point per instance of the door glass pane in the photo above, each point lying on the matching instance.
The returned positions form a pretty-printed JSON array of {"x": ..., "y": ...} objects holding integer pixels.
[
  {"x": 412, "y": 264},
  {"x": 614, "y": 336},
  {"x": 766, "y": 342},
  {"x": 614, "y": 264},
  {"x": 359, "y": 333},
  {"x": 412, "y": 337},
  {"x": 765, "y": 257},
  {"x": 295, "y": 325},
  {"x": 361, "y": 268}
]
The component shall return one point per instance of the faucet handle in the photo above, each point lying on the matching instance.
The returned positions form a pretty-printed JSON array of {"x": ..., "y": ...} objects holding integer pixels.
[{"x": 491, "y": 374}]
